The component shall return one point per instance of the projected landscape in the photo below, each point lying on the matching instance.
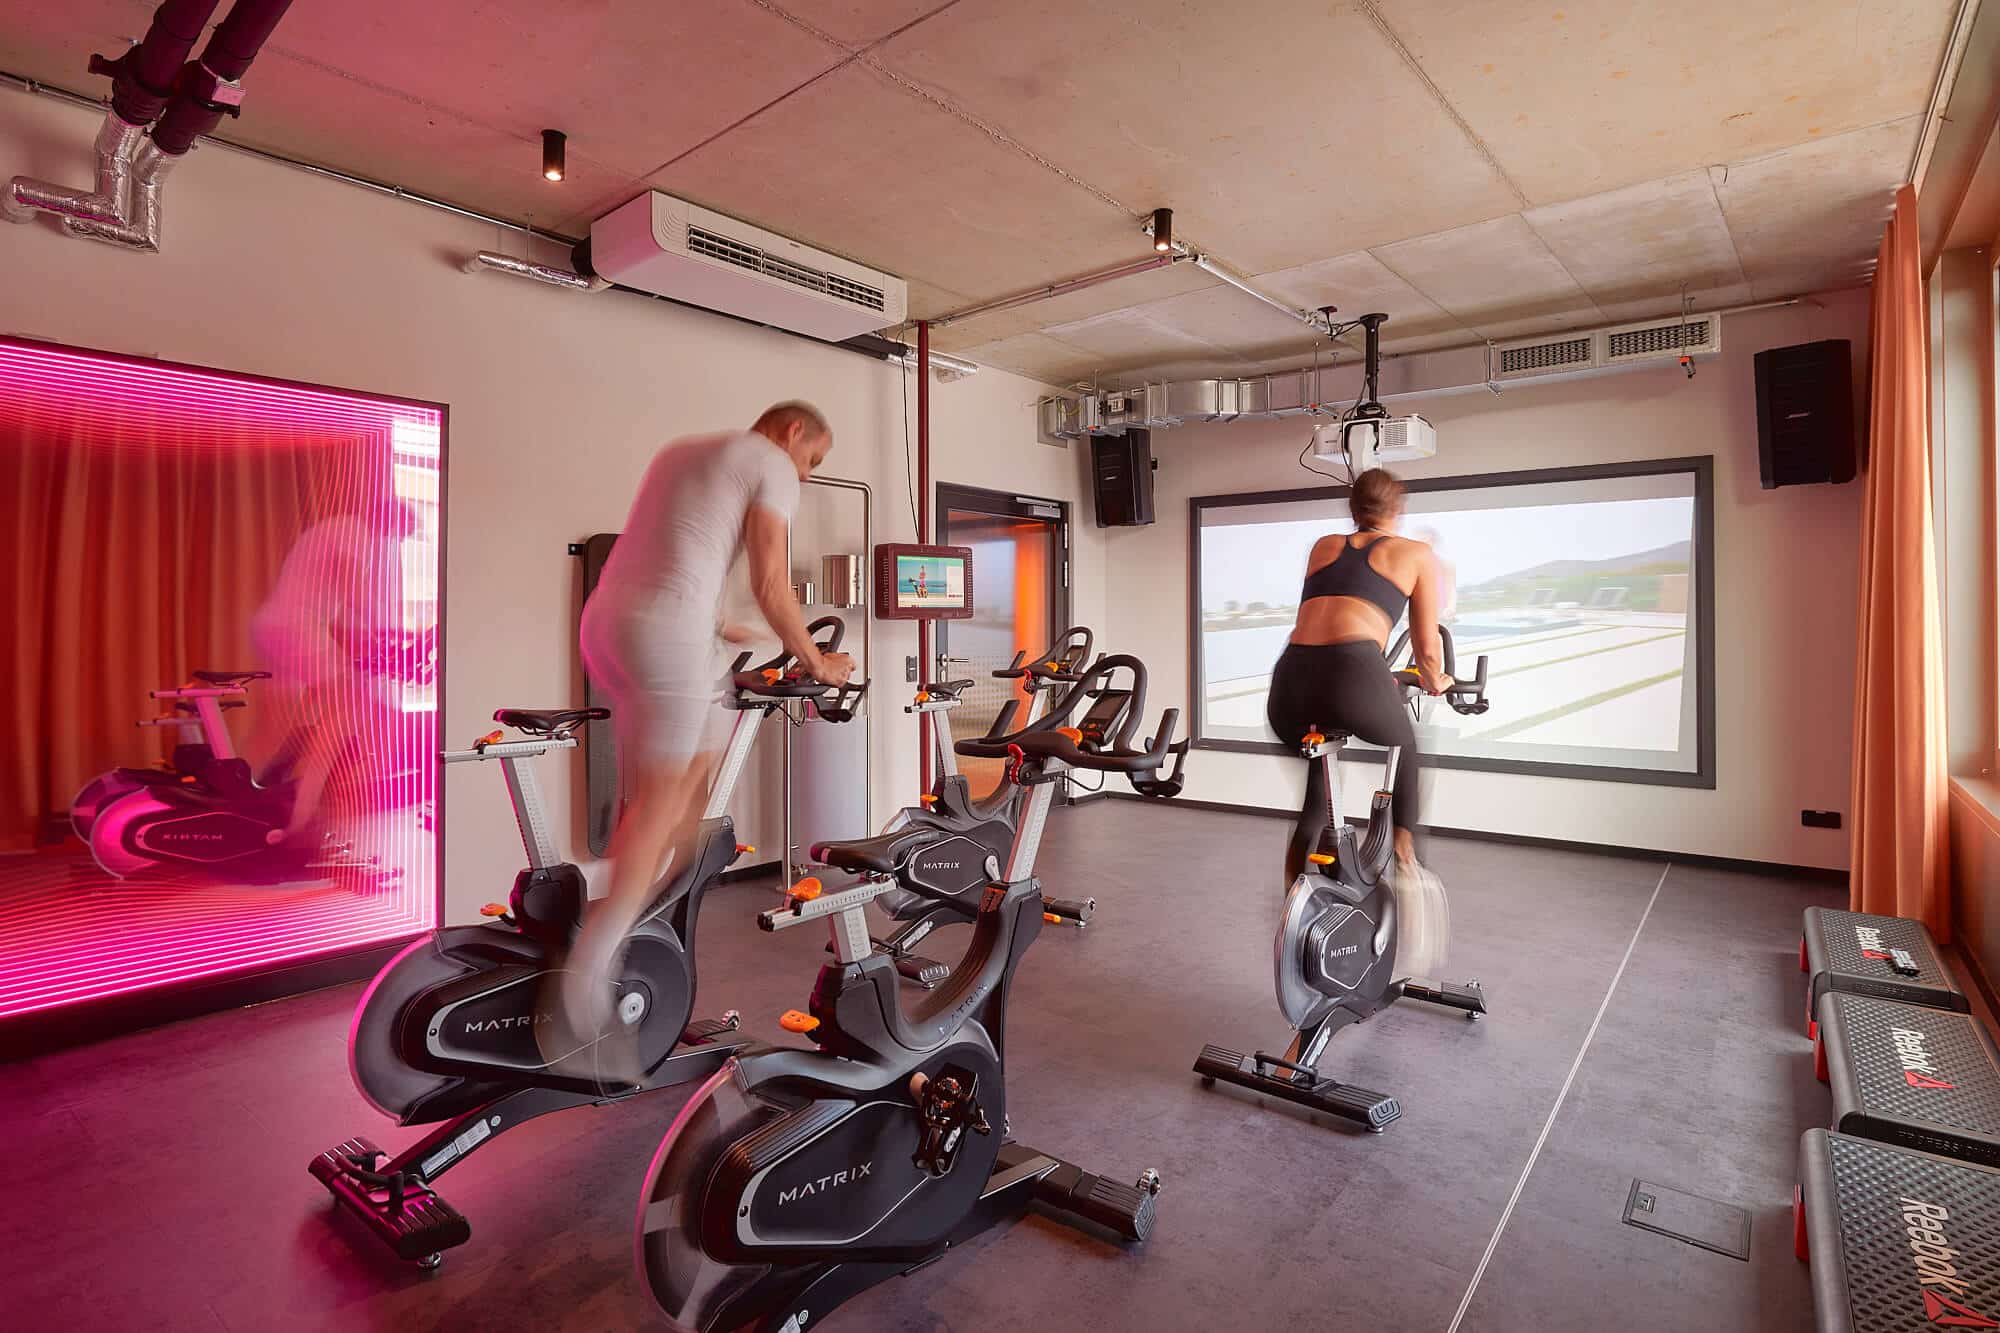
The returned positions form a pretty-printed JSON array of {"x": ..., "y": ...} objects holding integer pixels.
[{"x": 1584, "y": 608}]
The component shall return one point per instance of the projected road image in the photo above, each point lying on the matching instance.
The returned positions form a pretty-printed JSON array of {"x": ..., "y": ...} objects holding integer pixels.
[{"x": 1583, "y": 610}]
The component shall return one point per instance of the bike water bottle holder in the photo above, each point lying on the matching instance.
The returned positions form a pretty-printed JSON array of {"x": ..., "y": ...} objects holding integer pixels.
[{"x": 948, "y": 1106}]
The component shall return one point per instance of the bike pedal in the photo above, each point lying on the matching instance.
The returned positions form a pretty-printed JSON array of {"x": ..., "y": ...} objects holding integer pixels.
[{"x": 416, "y": 1227}]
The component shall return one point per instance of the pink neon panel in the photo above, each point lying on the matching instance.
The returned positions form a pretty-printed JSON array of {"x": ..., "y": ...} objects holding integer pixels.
[{"x": 92, "y": 919}]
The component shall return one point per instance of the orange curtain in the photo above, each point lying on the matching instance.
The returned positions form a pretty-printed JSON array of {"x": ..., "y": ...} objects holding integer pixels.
[
  {"x": 1898, "y": 850},
  {"x": 138, "y": 559}
]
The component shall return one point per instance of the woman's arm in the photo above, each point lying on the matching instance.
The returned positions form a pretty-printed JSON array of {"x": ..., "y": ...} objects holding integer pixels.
[{"x": 1424, "y": 638}]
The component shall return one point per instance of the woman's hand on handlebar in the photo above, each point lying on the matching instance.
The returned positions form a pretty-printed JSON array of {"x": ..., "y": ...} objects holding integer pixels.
[{"x": 833, "y": 668}]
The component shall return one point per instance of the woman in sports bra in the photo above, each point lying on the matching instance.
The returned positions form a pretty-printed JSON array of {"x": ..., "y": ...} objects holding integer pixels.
[{"x": 1332, "y": 675}]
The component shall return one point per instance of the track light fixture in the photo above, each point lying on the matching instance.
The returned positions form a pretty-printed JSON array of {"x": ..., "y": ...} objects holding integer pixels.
[
  {"x": 1161, "y": 229},
  {"x": 555, "y": 154}
]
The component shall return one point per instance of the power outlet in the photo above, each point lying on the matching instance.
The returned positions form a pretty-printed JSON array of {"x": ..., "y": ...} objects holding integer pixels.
[
  {"x": 1820, "y": 818},
  {"x": 910, "y": 670}
]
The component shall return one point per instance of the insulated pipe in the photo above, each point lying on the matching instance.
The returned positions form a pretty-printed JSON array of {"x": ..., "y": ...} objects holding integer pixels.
[
  {"x": 488, "y": 261},
  {"x": 117, "y": 141},
  {"x": 212, "y": 87},
  {"x": 142, "y": 80},
  {"x": 141, "y": 229},
  {"x": 925, "y": 721}
]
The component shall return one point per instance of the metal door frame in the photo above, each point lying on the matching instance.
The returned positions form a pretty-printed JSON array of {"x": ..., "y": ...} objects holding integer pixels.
[{"x": 1009, "y": 504}]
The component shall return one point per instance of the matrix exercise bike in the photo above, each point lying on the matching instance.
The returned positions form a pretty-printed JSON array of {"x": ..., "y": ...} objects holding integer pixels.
[
  {"x": 951, "y": 844},
  {"x": 447, "y": 1033},
  {"x": 196, "y": 712},
  {"x": 1336, "y": 942},
  {"x": 795, "y": 1179}
]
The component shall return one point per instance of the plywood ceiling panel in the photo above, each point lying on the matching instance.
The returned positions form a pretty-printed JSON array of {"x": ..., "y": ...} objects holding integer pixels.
[
  {"x": 1812, "y": 216},
  {"x": 1249, "y": 131},
  {"x": 1576, "y": 97},
  {"x": 856, "y": 166},
  {"x": 1488, "y": 276}
]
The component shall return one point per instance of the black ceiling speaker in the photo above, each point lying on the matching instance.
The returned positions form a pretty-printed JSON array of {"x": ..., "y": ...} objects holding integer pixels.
[
  {"x": 1121, "y": 473},
  {"x": 1805, "y": 414}
]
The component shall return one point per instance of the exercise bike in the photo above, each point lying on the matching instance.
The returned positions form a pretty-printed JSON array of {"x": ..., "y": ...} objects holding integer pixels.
[
  {"x": 447, "y": 1033},
  {"x": 195, "y": 711},
  {"x": 795, "y": 1179},
  {"x": 1336, "y": 942},
  {"x": 945, "y": 850}
]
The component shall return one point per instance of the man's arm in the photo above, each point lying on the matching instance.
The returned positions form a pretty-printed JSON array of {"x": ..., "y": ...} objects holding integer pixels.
[{"x": 764, "y": 534}]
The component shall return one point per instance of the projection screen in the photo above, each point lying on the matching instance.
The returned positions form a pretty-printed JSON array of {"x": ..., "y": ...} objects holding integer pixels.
[{"x": 1590, "y": 591}]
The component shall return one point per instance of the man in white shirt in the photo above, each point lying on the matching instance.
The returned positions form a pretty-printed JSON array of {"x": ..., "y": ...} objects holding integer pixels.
[{"x": 649, "y": 639}]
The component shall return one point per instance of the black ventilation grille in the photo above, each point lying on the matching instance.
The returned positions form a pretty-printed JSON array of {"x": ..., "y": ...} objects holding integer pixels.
[
  {"x": 1658, "y": 339},
  {"x": 1545, "y": 356},
  {"x": 739, "y": 254}
]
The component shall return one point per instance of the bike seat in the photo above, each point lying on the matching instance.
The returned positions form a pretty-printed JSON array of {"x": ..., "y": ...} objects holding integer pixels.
[
  {"x": 878, "y": 855},
  {"x": 542, "y": 722},
  {"x": 229, "y": 677},
  {"x": 951, "y": 687}
]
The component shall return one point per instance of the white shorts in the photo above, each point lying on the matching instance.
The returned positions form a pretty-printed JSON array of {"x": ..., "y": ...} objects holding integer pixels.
[{"x": 662, "y": 675}]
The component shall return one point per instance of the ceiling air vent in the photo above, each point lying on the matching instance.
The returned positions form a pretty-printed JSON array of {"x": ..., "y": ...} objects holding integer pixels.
[
  {"x": 672, "y": 248},
  {"x": 714, "y": 245},
  {"x": 1543, "y": 356},
  {"x": 1668, "y": 338}
]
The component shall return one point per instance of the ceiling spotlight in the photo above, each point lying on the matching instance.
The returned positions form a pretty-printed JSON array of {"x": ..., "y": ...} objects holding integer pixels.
[
  {"x": 1162, "y": 229},
  {"x": 555, "y": 154}
]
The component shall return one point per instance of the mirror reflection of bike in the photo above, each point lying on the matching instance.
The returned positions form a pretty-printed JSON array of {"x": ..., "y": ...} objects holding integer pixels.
[{"x": 1336, "y": 948}]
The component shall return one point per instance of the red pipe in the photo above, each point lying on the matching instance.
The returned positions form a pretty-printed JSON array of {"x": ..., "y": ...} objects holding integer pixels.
[
  {"x": 142, "y": 80},
  {"x": 925, "y": 720},
  {"x": 207, "y": 90}
]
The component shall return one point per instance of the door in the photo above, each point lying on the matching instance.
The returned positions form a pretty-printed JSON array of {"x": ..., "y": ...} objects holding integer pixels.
[{"x": 1020, "y": 583}]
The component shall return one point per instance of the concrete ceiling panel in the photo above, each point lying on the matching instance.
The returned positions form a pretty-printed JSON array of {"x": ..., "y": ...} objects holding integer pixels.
[
  {"x": 1035, "y": 355},
  {"x": 1249, "y": 131},
  {"x": 1359, "y": 283},
  {"x": 1122, "y": 337},
  {"x": 1488, "y": 275},
  {"x": 860, "y": 23},
  {"x": 1139, "y": 289},
  {"x": 1644, "y": 240},
  {"x": 1575, "y": 97},
  {"x": 633, "y": 83},
  {"x": 854, "y": 165},
  {"x": 1811, "y": 217},
  {"x": 1666, "y": 305}
]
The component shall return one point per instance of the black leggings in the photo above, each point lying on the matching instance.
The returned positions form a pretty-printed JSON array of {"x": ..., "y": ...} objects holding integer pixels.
[{"x": 1345, "y": 687}]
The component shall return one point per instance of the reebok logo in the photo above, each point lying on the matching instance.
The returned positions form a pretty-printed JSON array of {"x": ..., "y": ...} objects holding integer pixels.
[
  {"x": 834, "y": 1181},
  {"x": 1932, "y": 1254},
  {"x": 1870, "y": 940},
  {"x": 1918, "y": 1071}
]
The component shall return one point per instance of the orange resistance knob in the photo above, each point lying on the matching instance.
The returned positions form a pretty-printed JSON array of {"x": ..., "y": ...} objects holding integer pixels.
[
  {"x": 1052, "y": 665},
  {"x": 804, "y": 891},
  {"x": 928, "y": 798},
  {"x": 1052, "y": 918},
  {"x": 493, "y": 909},
  {"x": 491, "y": 738},
  {"x": 1320, "y": 858},
  {"x": 744, "y": 849},
  {"x": 794, "y": 1021},
  {"x": 923, "y": 696},
  {"x": 1314, "y": 738},
  {"x": 772, "y": 675},
  {"x": 1070, "y": 732}
]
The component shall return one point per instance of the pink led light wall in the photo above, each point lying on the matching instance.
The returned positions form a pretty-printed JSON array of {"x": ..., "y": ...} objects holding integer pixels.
[{"x": 345, "y": 618}]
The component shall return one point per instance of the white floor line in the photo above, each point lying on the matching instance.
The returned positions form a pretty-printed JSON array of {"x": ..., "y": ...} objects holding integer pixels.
[{"x": 1507, "y": 1213}]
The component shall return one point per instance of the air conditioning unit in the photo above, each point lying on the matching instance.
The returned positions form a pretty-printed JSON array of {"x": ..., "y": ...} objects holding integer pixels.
[
  {"x": 685, "y": 252},
  {"x": 1663, "y": 340}
]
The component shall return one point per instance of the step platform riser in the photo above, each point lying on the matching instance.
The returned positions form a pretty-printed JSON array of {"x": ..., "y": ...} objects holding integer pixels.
[
  {"x": 1921, "y": 1078},
  {"x": 1862, "y": 954}
]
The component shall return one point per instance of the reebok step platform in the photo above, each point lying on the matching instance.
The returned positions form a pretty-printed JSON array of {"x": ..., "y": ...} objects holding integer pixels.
[
  {"x": 1899, "y": 1241},
  {"x": 1910, "y": 1075},
  {"x": 1859, "y": 953}
]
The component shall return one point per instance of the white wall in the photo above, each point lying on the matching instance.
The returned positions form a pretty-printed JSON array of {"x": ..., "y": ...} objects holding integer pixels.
[
  {"x": 1785, "y": 594},
  {"x": 557, "y": 401}
]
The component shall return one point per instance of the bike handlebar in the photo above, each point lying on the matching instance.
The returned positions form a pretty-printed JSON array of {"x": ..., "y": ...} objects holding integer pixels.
[{"x": 780, "y": 678}]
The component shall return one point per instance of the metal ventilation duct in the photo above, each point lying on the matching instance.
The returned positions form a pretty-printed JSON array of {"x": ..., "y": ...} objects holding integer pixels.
[{"x": 1486, "y": 366}]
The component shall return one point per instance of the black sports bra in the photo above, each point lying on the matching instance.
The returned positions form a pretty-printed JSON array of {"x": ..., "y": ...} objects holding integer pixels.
[{"x": 1342, "y": 577}]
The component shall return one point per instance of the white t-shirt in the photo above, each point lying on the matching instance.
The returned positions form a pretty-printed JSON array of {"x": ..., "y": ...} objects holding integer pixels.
[{"x": 685, "y": 530}]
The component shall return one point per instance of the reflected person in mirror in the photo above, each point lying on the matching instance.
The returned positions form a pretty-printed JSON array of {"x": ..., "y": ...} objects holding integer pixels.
[
  {"x": 651, "y": 636},
  {"x": 1333, "y": 677}
]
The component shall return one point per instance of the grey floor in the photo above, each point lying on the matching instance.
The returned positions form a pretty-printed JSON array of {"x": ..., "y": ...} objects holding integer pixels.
[{"x": 158, "y": 1181}]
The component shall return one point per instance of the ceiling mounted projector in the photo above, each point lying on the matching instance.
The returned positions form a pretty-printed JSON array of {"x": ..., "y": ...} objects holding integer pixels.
[{"x": 1367, "y": 442}]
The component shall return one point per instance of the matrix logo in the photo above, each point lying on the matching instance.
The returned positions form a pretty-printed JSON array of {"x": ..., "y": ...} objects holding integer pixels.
[
  {"x": 1918, "y": 1070},
  {"x": 1932, "y": 1255},
  {"x": 501, "y": 1024},
  {"x": 835, "y": 1181}
]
